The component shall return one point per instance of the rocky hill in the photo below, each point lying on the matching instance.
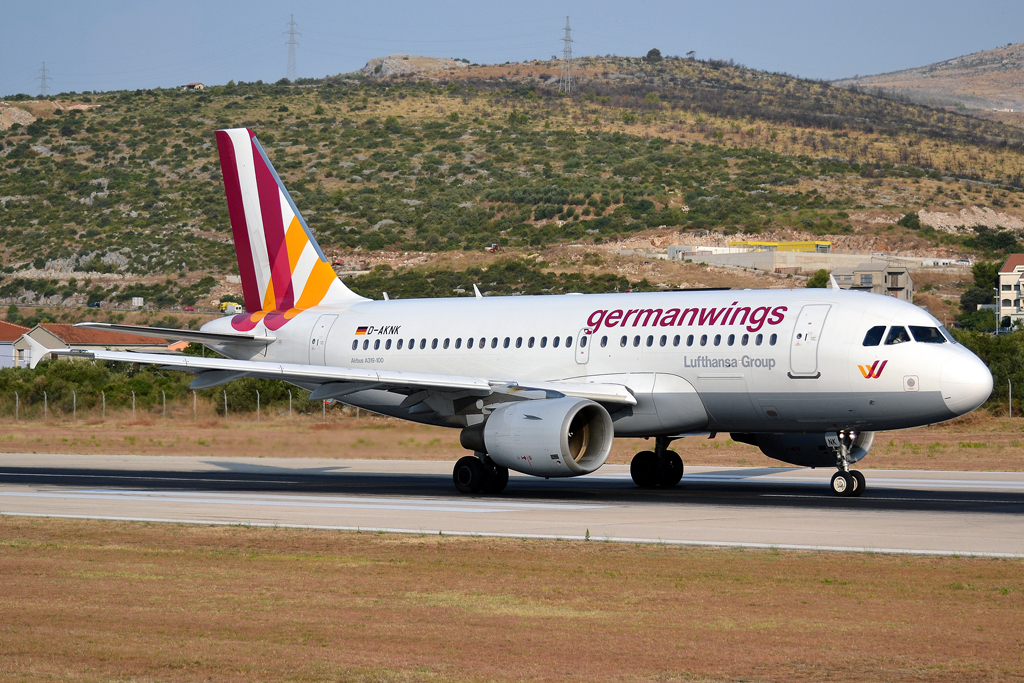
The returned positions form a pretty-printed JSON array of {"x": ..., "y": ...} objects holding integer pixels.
[
  {"x": 987, "y": 80},
  {"x": 118, "y": 194}
]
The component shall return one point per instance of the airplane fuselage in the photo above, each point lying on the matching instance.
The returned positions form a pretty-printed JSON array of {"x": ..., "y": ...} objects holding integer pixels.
[{"x": 747, "y": 361}]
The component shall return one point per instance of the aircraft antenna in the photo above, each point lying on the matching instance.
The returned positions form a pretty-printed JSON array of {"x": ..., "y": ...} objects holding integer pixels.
[
  {"x": 293, "y": 69},
  {"x": 44, "y": 81},
  {"x": 565, "y": 80}
]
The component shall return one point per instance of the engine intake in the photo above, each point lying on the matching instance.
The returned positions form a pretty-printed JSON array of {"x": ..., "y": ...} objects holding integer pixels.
[
  {"x": 560, "y": 437},
  {"x": 806, "y": 450}
]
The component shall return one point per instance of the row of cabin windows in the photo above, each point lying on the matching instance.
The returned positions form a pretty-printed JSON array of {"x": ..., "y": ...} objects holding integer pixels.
[{"x": 717, "y": 340}]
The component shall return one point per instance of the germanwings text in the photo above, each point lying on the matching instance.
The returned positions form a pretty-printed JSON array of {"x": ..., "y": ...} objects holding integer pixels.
[{"x": 753, "y": 318}]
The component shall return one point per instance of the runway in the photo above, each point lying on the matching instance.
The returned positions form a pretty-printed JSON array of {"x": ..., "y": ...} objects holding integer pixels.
[{"x": 918, "y": 512}]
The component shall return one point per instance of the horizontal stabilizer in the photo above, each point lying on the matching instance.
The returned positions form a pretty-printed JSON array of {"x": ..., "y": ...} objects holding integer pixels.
[{"x": 180, "y": 335}]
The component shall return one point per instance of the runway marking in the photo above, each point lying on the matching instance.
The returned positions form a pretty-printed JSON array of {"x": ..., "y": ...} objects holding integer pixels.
[
  {"x": 145, "y": 478},
  {"x": 337, "y": 502},
  {"x": 887, "y": 482},
  {"x": 545, "y": 537},
  {"x": 907, "y": 500}
]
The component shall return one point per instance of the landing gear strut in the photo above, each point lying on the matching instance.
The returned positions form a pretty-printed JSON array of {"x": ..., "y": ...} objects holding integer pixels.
[
  {"x": 660, "y": 467},
  {"x": 478, "y": 474},
  {"x": 847, "y": 482}
]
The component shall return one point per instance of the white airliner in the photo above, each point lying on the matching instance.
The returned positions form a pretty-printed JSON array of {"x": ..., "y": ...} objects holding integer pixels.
[{"x": 543, "y": 384}]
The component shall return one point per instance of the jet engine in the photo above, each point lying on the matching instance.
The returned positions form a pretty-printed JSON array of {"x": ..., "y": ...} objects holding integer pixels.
[
  {"x": 560, "y": 437},
  {"x": 806, "y": 450}
]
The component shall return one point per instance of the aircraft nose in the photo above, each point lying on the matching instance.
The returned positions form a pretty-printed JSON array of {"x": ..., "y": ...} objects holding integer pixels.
[{"x": 965, "y": 381}]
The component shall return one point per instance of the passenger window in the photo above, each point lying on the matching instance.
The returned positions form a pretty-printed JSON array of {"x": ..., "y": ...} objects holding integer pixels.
[
  {"x": 505, "y": 343},
  {"x": 519, "y": 342},
  {"x": 928, "y": 335},
  {"x": 604, "y": 341},
  {"x": 530, "y": 343},
  {"x": 663, "y": 340},
  {"x": 689, "y": 340},
  {"x": 366, "y": 344},
  {"x": 469, "y": 342},
  {"x": 400, "y": 344},
  {"x": 433, "y": 344},
  {"x": 543, "y": 342},
  {"x": 874, "y": 336},
  {"x": 758, "y": 339},
  {"x": 772, "y": 339},
  {"x": 458, "y": 343},
  {"x": 355, "y": 344},
  {"x": 412, "y": 344},
  {"x": 423, "y": 343},
  {"x": 494, "y": 342},
  {"x": 636, "y": 341},
  {"x": 387, "y": 345},
  {"x": 718, "y": 339},
  {"x": 897, "y": 335},
  {"x": 446, "y": 343},
  {"x": 554, "y": 343},
  {"x": 732, "y": 339},
  {"x": 675, "y": 340},
  {"x": 483, "y": 342},
  {"x": 583, "y": 341},
  {"x": 622, "y": 341},
  {"x": 650, "y": 340},
  {"x": 744, "y": 339},
  {"x": 376, "y": 344},
  {"x": 703, "y": 340}
]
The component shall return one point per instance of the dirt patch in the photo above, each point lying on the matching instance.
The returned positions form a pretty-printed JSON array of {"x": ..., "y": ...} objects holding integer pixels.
[
  {"x": 111, "y": 601},
  {"x": 969, "y": 217},
  {"x": 978, "y": 442}
]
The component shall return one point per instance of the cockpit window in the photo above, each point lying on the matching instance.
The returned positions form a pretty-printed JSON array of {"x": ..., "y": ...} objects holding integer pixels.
[
  {"x": 897, "y": 335},
  {"x": 928, "y": 335},
  {"x": 874, "y": 336},
  {"x": 947, "y": 335}
]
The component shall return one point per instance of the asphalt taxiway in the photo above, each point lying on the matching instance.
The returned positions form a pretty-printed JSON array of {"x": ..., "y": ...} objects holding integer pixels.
[{"x": 902, "y": 511}]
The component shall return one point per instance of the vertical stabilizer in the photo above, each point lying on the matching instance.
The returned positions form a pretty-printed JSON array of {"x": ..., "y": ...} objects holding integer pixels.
[{"x": 282, "y": 268}]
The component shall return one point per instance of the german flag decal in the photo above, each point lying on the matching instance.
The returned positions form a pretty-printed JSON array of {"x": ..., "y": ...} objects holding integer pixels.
[{"x": 361, "y": 330}]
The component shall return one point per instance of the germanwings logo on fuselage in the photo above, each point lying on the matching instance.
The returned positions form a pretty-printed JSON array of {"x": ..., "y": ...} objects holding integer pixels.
[
  {"x": 873, "y": 371},
  {"x": 734, "y": 314}
]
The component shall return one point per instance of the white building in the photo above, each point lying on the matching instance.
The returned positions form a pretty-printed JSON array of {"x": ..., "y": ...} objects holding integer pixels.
[{"x": 1010, "y": 276}]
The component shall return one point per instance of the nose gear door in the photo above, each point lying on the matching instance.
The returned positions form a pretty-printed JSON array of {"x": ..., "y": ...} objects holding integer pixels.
[
  {"x": 803, "y": 350},
  {"x": 318, "y": 339},
  {"x": 583, "y": 346}
]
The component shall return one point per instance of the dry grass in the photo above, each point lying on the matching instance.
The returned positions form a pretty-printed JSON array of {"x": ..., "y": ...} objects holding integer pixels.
[
  {"x": 976, "y": 442},
  {"x": 96, "y": 601}
]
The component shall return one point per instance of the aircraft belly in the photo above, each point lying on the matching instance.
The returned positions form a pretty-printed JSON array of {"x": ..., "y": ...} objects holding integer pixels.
[{"x": 824, "y": 411}]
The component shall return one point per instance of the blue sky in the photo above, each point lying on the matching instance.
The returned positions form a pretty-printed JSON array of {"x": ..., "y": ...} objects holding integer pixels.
[{"x": 107, "y": 45}]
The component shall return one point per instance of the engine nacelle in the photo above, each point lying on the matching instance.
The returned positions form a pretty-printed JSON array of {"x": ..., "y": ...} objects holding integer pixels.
[
  {"x": 806, "y": 450},
  {"x": 560, "y": 437}
]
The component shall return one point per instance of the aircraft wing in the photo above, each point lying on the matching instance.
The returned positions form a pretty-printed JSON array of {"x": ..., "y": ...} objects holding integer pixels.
[
  {"x": 334, "y": 382},
  {"x": 179, "y": 335}
]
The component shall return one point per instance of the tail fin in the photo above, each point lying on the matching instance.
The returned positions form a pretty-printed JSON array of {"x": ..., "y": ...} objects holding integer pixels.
[{"x": 283, "y": 269}]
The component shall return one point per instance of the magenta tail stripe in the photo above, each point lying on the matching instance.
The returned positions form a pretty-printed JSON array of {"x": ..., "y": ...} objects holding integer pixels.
[
  {"x": 273, "y": 229},
  {"x": 239, "y": 227}
]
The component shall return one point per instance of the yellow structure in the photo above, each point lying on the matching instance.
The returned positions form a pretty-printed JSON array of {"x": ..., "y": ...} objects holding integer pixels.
[{"x": 808, "y": 246}]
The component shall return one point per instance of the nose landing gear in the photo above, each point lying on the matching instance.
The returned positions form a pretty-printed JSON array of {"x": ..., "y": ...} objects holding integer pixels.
[
  {"x": 846, "y": 482},
  {"x": 660, "y": 467}
]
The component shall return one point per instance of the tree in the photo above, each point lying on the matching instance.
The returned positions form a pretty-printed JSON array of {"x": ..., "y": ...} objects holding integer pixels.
[
  {"x": 986, "y": 275},
  {"x": 910, "y": 220},
  {"x": 654, "y": 55},
  {"x": 820, "y": 280},
  {"x": 974, "y": 296}
]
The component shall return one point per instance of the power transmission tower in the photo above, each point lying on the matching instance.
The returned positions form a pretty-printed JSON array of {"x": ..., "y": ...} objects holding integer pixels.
[
  {"x": 44, "y": 81},
  {"x": 293, "y": 70},
  {"x": 565, "y": 80}
]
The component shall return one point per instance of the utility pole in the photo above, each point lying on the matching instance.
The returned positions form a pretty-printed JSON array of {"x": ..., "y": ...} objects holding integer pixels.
[
  {"x": 565, "y": 80},
  {"x": 293, "y": 70},
  {"x": 44, "y": 81}
]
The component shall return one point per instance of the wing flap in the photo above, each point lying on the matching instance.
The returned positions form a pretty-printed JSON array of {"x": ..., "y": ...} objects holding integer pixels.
[{"x": 180, "y": 335}]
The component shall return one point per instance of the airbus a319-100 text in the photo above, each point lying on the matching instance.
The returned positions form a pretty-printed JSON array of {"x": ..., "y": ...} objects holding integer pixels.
[{"x": 543, "y": 384}]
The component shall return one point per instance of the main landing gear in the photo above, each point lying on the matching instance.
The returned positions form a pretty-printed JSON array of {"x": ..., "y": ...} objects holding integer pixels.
[
  {"x": 478, "y": 474},
  {"x": 660, "y": 467},
  {"x": 847, "y": 482}
]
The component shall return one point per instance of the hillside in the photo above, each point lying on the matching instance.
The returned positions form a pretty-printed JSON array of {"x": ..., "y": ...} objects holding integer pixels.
[
  {"x": 987, "y": 80},
  {"x": 104, "y": 196}
]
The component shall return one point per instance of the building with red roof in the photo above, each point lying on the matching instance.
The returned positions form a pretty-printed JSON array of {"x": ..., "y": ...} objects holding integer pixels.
[
  {"x": 61, "y": 336},
  {"x": 9, "y": 333},
  {"x": 1009, "y": 303}
]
